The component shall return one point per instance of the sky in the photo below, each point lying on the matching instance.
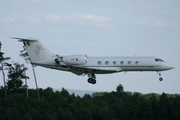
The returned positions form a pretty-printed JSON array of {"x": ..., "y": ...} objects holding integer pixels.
[{"x": 96, "y": 28}]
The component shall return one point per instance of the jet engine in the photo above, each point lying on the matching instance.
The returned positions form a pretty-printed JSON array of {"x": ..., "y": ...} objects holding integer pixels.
[{"x": 75, "y": 59}]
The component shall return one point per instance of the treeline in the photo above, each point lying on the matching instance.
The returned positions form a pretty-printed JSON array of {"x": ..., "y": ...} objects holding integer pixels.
[{"x": 60, "y": 105}]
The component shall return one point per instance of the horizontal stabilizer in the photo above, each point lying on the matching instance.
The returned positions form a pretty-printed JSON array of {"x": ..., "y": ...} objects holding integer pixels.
[{"x": 24, "y": 39}]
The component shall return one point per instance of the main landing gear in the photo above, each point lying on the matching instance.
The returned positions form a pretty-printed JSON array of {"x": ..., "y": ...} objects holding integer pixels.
[
  {"x": 92, "y": 78},
  {"x": 160, "y": 78}
]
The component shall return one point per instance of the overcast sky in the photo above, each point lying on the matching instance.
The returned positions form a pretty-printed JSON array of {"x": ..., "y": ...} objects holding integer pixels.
[{"x": 97, "y": 28}]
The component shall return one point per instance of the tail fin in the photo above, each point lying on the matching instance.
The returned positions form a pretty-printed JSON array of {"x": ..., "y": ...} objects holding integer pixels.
[{"x": 35, "y": 49}]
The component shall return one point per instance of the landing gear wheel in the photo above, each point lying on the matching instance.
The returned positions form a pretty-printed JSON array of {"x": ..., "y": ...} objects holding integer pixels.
[
  {"x": 160, "y": 79},
  {"x": 90, "y": 80},
  {"x": 93, "y": 81}
]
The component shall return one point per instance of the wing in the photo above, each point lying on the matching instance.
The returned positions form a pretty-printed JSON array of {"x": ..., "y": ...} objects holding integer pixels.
[{"x": 79, "y": 70}]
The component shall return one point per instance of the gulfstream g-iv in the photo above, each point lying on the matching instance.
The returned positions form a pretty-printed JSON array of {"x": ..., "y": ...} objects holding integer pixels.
[{"x": 90, "y": 66}]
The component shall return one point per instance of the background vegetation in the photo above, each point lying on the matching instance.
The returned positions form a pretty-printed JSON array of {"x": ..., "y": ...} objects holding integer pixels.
[{"x": 60, "y": 105}]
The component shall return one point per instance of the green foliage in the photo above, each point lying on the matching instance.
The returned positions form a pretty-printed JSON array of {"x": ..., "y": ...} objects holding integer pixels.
[
  {"x": 2, "y": 65},
  {"x": 1, "y": 53},
  {"x": 0, "y": 46},
  {"x": 119, "y": 89},
  {"x": 25, "y": 55},
  {"x": 99, "y": 94},
  {"x": 60, "y": 105},
  {"x": 16, "y": 73},
  {"x": 2, "y": 58}
]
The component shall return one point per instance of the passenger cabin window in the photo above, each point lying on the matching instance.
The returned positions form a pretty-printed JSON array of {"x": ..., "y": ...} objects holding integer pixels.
[
  {"x": 129, "y": 62},
  {"x": 99, "y": 62},
  {"x": 122, "y": 62},
  {"x": 137, "y": 62},
  {"x": 114, "y": 62},
  {"x": 107, "y": 62}
]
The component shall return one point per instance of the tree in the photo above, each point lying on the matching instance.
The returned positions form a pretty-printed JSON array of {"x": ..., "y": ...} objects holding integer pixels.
[
  {"x": 119, "y": 89},
  {"x": 164, "y": 107},
  {"x": 2, "y": 61},
  {"x": 26, "y": 57},
  {"x": 16, "y": 73}
]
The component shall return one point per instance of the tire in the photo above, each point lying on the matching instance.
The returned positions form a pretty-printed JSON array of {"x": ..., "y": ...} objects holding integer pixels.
[
  {"x": 93, "y": 81},
  {"x": 89, "y": 80},
  {"x": 160, "y": 79}
]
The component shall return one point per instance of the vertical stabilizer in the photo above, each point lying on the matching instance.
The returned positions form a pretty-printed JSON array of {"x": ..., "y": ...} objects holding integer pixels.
[{"x": 36, "y": 50}]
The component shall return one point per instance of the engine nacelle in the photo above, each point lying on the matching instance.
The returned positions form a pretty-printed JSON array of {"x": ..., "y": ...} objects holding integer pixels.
[{"x": 75, "y": 59}]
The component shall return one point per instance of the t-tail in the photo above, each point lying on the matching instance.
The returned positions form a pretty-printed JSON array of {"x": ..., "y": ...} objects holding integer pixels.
[{"x": 36, "y": 50}]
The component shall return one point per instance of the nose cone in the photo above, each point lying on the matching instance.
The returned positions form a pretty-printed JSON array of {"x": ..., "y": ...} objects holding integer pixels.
[{"x": 168, "y": 67}]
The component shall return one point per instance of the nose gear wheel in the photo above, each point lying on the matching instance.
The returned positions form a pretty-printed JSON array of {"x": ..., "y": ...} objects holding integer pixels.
[{"x": 159, "y": 73}]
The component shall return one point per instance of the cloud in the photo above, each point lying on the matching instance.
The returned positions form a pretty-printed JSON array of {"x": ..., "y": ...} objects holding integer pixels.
[
  {"x": 146, "y": 4},
  {"x": 158, "y": 24},
  {"x": 29, "y": 1},
  {"x": 53, "y": 18},
  {"x": 94, "y": 18},
  {"x": 5, "y": 19},
  {"x": 33, "y": 20},
  {"x": 99, "y": 21}
]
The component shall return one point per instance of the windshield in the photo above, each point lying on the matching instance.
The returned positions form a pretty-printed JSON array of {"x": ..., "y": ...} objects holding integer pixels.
[{"x": 158, "y": 60}]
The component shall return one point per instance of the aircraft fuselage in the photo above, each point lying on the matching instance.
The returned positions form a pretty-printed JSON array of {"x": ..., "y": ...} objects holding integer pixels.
[{"x": 104, "y": 65}]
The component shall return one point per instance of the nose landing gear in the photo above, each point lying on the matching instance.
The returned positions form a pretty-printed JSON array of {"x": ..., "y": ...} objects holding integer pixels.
[{"x": 159, "y": 73}]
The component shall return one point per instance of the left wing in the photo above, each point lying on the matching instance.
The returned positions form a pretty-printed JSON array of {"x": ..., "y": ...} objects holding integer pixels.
[{"x": 79, "y": 70}]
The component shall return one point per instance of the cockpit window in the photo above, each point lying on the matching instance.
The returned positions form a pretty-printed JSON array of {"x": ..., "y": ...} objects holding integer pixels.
[{"x": 158, "y": 60}]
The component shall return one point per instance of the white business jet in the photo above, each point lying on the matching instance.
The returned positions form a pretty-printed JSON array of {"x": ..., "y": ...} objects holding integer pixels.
[{"x": 83, "y": 64}]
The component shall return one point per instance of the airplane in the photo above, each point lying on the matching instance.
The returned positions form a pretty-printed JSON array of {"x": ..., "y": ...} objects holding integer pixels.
[{"x": 85, "y": 65}]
